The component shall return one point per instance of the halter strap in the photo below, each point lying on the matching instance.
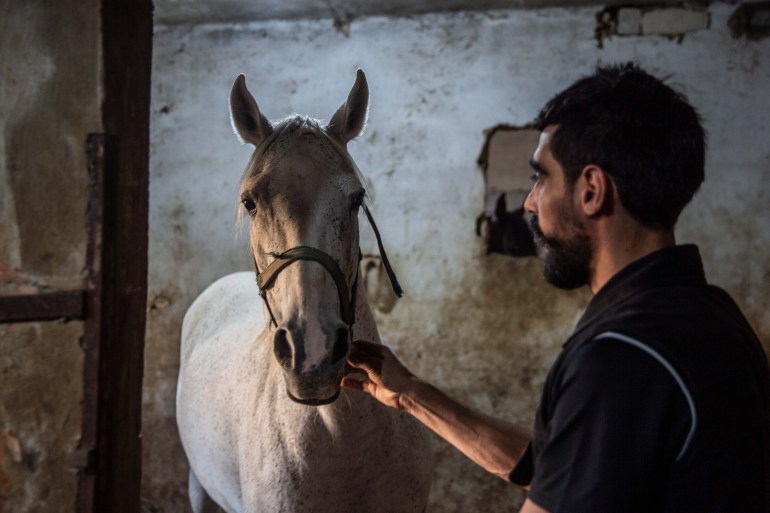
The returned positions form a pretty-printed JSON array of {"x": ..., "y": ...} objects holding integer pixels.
[{"x": 266, "y": 279}]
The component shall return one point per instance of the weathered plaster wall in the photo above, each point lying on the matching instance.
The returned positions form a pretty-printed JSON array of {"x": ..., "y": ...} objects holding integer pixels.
[
  {"x": 49, "y": 100},
  {"x": 485, "y": 328}
]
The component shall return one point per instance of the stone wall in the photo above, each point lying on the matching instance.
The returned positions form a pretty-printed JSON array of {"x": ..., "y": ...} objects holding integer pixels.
[{"x": 50, "y": 99}]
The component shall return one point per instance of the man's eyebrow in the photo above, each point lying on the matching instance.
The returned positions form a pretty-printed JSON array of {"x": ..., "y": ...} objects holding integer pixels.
[{"x": 536, "y": 166}]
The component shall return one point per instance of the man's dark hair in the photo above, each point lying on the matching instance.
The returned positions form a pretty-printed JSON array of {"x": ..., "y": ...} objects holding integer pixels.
[{"x": 639, "y": 130}]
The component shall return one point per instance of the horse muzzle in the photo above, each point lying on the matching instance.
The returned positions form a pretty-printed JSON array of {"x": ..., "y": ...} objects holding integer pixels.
[
  {"x": 315, "y": 384},
  {"x": 315, "y": 402},
  {"x": 316, "y": 388}
]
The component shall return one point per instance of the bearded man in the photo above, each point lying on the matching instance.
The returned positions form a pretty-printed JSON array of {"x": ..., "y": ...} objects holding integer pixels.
[{"x": 660, "y": 399}]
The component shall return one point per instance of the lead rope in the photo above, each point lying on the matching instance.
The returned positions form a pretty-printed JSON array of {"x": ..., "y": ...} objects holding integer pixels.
[{"x": 388, "y": 269}]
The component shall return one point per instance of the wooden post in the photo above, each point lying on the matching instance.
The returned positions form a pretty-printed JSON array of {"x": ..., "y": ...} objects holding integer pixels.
[{"x": 110, "y": 454}]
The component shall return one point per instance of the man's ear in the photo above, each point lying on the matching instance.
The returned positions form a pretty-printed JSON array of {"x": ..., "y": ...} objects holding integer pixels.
[{"x": 596, "y": 191}]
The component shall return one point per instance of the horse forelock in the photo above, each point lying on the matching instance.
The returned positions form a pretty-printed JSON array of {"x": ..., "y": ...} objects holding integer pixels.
[
  {"x": 286, "y": 133},
  {"x": 284, "y": 138}
]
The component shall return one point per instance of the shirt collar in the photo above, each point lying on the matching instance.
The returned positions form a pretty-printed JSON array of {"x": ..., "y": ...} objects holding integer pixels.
[{"x": 673, "y": 265}]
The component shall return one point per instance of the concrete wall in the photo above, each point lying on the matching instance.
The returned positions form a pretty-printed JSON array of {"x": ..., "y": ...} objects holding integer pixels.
[
  {"x": 484, "y": 328},
  {"x": 50, "y": 99}
]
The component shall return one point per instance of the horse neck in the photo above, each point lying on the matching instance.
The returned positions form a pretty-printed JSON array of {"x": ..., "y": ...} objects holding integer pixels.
[{"x": 365, "y": 327}]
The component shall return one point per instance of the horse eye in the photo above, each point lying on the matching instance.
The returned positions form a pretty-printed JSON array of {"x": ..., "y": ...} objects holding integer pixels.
[{"x": 249, "y": 205}]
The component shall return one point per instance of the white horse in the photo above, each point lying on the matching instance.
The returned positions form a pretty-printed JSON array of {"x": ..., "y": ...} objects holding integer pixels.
[{"x": 262, "y": 417}]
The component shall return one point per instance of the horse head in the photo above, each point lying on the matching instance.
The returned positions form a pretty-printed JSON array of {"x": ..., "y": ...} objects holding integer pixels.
[{"x": 302, "y": 193}]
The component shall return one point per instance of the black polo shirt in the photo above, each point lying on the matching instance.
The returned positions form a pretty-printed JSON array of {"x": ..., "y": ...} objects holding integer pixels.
[{"x": 659, "y": 401}]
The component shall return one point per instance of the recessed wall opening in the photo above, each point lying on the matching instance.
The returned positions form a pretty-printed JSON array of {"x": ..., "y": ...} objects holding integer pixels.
[{"x": 507, "y": 176}]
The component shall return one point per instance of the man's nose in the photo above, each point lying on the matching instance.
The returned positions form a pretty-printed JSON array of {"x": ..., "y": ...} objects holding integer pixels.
[{"x": 530, "y": 206}]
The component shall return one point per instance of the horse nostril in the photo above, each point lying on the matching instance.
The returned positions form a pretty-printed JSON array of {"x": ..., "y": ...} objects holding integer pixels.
[
  {"x": 341, "y": 346},
  {"x": 282, "y": 348}
]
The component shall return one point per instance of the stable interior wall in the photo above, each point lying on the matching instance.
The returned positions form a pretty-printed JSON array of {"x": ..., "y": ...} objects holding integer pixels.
[
  {"x": 50, "y": 99},
  {"x": 69, "y": 69},
  {"x": 485, "y": 328}
]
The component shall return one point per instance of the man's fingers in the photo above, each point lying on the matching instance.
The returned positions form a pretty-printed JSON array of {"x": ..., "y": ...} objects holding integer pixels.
[
  {"x": 354, "y": 372},
  {"x": 366, "y": 356},
  {"x": 366, "y": 350},
  {"x": 355, "y": 384},
  {"x": 362, "y": 385}
]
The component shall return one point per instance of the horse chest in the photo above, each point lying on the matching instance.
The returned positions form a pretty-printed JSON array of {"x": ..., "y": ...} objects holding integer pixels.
[
  {"x": 267, "y": 453},
  {"x": 352, "y": 458}
]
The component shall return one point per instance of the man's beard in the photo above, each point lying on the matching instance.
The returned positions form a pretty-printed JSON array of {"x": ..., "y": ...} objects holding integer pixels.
[{"x": 567, "y": 260}]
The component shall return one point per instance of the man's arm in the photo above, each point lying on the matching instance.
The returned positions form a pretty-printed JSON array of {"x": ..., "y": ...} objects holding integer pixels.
[
  {"x": 494, "y": 444},
  {"x": 531, "y": 507}
]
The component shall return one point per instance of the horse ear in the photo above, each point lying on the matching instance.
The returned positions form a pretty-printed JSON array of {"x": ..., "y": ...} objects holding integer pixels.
[
  {"x": 350, "y": 119},
  {"x": 249, "y": 124}
]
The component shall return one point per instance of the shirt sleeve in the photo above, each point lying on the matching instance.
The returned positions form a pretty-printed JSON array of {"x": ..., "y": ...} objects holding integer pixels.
[
  {"x": 522, "y": 472},
  {"x": 618, "y": 421}
]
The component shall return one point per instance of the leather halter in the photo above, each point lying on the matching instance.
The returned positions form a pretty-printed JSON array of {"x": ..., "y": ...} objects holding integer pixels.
[{"x": 266, "y": 279}]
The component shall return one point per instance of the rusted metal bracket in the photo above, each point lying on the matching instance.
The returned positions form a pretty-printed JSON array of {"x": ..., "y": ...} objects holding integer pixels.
[
  {"x": 44, "y": 306},
  {"x": 102, "y": 154}
]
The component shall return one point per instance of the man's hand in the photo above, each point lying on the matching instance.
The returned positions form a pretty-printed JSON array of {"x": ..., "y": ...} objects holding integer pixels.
[
  {"x": 494, "y": 444},
  {"x": 382, "y": 375}
]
